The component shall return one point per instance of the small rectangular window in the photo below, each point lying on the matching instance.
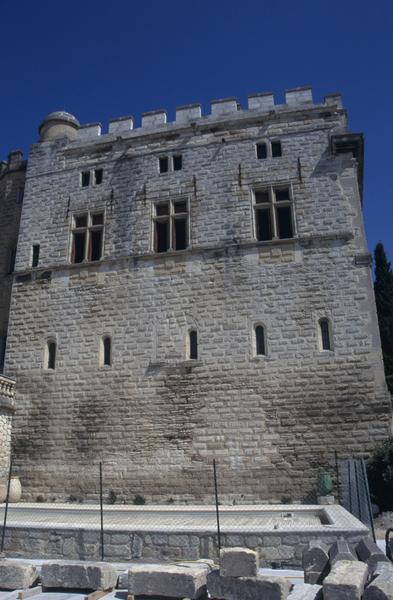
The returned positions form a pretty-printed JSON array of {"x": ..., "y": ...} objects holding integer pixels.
[
  {"x": 81, "y": 221},
  {"x": 98, "y": 175},
  {"x": 3, "y": 343},
  {"x": 282, "y": 194},
  {"x": 164, "y": 164},
  {"x": 276, "y": 149},
  {"x": 284, "y": 222},
  {"x": 95, "y": 244},
  {"x": 85, "y": 178},
  {"x": 97, "y": 219},
  {"x": 264, "y": 230},
  {"x": 171, "y": 226},
  {"x": 35, "y": 256},
  {"x": 180, "y": 234},
  {"x": 161, "y": 235},
  {"x": 11, "y": 260},
  {"x": 262, "y": 197},
  {"x": 177, "y": 162},
  {"x": 78, "y": 251},
  {"x": 162, "y": 209},
  {"x": 261, "y": 151}
]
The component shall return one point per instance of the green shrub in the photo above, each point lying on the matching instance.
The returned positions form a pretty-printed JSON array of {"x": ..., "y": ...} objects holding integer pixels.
[{"x": 380, "y": 475}]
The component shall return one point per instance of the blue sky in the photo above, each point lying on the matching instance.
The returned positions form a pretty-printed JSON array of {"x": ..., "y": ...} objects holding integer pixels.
[{"x": 100, "y": 60}]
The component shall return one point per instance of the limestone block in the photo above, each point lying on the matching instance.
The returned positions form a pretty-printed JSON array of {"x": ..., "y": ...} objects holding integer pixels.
[
  {"x": 381, "y": 588},
  {"x": 370, "y": 553},
  {"x": 305, "y": 591},
  {"x": 238, "y": 562},
  {"x": 345, "y": 581},
  {"x": 340, "y": 551},
  {"x": 380, "y": 567},
  {"x": 78, "y": 575},
  {"x": 17, "y": 575},
  {"x": 252, "y": 588},
  {"x": 315, "y": 562},
  {"x": 167, "y": 580}
]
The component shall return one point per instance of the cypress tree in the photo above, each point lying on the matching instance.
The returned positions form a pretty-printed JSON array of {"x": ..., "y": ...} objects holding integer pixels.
[{"x": 383, "y": 288}]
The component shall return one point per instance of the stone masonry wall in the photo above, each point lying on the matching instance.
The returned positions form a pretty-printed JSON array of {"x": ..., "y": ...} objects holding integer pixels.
[
  {"x": 154, "y": 418},
  {"x": 12, "y": 176}
]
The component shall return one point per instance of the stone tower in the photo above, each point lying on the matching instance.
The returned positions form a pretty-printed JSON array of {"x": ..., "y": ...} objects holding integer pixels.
[{"x": 192, "y": 290}]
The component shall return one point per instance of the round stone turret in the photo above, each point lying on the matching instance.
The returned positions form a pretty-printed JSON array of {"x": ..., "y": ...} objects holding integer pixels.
[{"x": 57, "y": 125}]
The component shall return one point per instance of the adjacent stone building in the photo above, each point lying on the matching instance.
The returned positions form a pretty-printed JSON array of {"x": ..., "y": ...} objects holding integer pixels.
[{"x": 194, "y": 290}]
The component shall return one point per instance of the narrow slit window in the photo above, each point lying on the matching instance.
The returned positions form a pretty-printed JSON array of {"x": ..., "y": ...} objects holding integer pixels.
[
  {"x": 3, "y": 343},
  {"x": 85, "y": 178},
  {"x": 260, "y": 340},
  {"x": 177, "y": 162},
  {"x": 164, "y": 164},
  {"x": 193, "y": 341},
  {"x": 11, "y": 261},
  {"x": 51, "y": 355},
  {"x": 261, "y": 150},
  {"x": 276, "y": 149},
  {"x": 107, "y": 351},
  {"x": 324, "y": 326},
  {"x": 98, "y": 175},
  {"x": 36, "y": 255}
]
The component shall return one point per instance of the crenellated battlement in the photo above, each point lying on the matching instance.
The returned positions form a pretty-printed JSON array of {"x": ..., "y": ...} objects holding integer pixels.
[
  {"x": 191, "y": 114},
  {"x": 15, "y": 162}
]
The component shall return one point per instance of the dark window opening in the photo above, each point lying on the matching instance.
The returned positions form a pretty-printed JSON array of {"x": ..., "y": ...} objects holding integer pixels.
[
  {"x": 97, "y": 219},
  {"x": 180, "y": 207},
  {"x": 177, "y": 162},
  {"x": 95, "y": 244},
  {"x": 11, "y": 262},
  {"x": 162, "y": 237},
  {"x": 162, "y": 209},
  {"x": 107, "y": 351},
  {"x": 259, "y": 340},
  {"x": 284, "y": 222},
  {"x": 325, "y": 334},
  {"x": 51, "y": 355},
  {"x": 261, "y": 197},
  {"x": 180, "y": 234},
  {"x": 164, "y": 164},
  {"x": 261, "y": 151},
  {"x": 78, "y": 250},
  {"x": 19, "y": 195},
  {"x": 81, "y": 221},
  {"x": 193, "y": 345},
  {"x": 98, "y": 174},
  {"x": 282, "y": 194},
  {"x": 264, "y": 229},
  {"x": 85, "y": 178},
  {"x": 276, "y": 149},
  {"x": 36, "y": 255},
  {"x": 3, "y": 343}
]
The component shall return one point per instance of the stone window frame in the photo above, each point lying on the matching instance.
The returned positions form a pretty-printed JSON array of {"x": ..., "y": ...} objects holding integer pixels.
[
  {"x": 327, "y": 318},
  {"x": 253, "y": 327},
  {"x": 268, "y": 143},
  {"x": 170, "y": 158},
  {"x": 172, "y": 200},
  {"x": 101, "y": 355},
  {"x": 270, "y": 188},
  {"x": 92, "y": 177},
  {"x": 50, "y": 339},
  {"x": 89, "y": 227},
  {"x": 190, "y": 330}
]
